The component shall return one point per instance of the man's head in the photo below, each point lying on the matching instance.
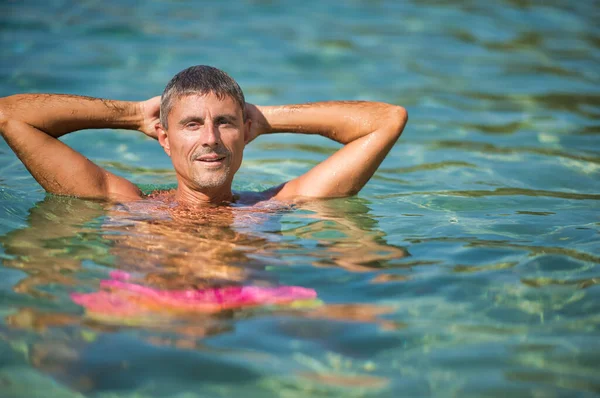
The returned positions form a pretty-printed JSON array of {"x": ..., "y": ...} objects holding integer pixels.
[{"x": 203, "y": 128}]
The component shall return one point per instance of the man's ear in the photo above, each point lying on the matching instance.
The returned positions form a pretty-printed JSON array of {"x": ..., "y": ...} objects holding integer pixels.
[
  {"x": 247, "y": 130},
  {"x": 163, "y": 138}
]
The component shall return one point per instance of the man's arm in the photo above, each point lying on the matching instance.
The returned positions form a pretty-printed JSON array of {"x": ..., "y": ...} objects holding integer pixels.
[
  {"x": 368, "y": 131},
  {"x": 32, "y": 123}
]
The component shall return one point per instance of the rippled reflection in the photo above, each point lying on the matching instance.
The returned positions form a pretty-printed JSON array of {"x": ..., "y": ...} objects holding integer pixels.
[
  {"x": 173, "y": 248},
  {"x": 70, "y": 244}
]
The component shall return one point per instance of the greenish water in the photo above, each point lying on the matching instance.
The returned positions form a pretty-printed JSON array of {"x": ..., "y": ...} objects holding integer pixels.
[{"x": 467, "y": 267}]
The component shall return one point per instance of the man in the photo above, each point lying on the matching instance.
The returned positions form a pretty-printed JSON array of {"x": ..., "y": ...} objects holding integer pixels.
[{"x": 203, "y": 123}]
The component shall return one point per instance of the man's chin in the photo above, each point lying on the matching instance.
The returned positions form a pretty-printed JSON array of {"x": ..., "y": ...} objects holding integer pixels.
[{"x": 212, "y": 183}]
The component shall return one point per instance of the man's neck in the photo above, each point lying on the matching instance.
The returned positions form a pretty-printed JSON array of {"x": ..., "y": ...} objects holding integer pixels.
[{"x": 188, "y": 196}]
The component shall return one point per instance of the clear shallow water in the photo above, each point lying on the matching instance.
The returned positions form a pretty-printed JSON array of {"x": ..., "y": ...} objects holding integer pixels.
[{"x": 468, "y": 266}]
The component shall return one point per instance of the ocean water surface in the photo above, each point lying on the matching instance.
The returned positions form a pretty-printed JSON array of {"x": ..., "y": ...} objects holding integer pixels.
[{"x": 467, "y": 267}]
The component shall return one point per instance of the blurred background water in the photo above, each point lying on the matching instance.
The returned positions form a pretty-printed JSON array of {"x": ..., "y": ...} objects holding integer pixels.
[{"x": 468, "y": 266}]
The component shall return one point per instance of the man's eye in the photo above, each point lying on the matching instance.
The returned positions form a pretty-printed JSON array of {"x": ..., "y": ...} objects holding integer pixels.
[{"x": 192, "y": 125}]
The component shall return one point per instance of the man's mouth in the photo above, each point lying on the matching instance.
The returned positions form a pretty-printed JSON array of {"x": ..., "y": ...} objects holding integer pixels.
[{"x": 211, "y": 160}]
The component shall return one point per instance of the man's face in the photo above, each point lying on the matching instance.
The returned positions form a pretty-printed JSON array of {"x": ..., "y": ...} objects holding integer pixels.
[{"x": 205, "y": 140}]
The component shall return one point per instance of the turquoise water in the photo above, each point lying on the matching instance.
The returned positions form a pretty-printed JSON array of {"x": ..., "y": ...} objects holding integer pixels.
[{"x": 467, "y": 267}]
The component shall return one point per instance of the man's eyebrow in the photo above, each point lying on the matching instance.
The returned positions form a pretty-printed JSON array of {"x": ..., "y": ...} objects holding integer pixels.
[
  {"x": 226, "y": 118},
  {"x": 188, "y": 119}
]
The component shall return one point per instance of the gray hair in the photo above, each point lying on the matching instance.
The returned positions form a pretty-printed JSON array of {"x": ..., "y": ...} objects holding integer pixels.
[{"x": 199, "y": 79}]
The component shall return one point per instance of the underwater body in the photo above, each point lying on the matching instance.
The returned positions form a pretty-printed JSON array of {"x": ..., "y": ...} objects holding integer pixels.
[{"x": 467, "y": 266}]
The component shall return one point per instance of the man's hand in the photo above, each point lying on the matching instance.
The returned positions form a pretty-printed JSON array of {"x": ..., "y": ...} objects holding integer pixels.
[
  {"x": 259, "y": 123},
  {"x": 150, "y": 111}
]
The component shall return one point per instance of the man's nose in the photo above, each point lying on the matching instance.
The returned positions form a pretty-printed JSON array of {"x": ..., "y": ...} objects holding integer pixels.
[{"x": 210, "y": 135}]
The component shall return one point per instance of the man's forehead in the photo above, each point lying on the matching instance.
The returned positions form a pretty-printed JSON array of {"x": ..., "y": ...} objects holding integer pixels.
[{"x": 198, "y": 102}]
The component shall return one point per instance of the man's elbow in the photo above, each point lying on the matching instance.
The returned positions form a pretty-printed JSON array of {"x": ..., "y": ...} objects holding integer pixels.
[
  {"x": 3, "y": 114},
  {"x": 397, "y": 119},
  {"x": 4, "y": 118},
  {"x": 5, "y": 107}
]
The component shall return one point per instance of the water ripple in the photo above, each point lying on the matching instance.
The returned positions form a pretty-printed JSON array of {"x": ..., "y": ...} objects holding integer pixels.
[
  {"x": 499, "y": 192},
  {"x": 482, "y": 147}
]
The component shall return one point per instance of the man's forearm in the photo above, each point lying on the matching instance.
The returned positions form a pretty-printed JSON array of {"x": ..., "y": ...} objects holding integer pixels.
[
  {"x": 342, "y": 121},
  {"x": 58, "y": 114}
]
